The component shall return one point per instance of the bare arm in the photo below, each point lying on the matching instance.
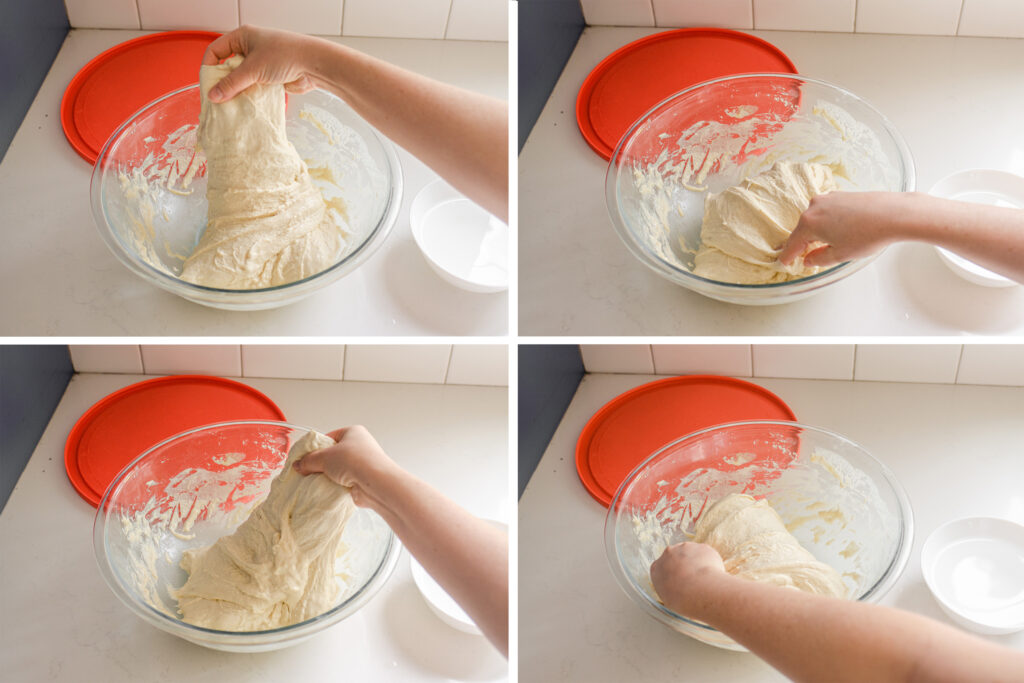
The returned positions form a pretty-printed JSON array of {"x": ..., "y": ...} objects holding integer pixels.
[
  {"x": 461, "y": 135},
  {"x": 465, "y": 554},
  {"x": 858, "y": 224},
  {"x": 814, "y": 638}
]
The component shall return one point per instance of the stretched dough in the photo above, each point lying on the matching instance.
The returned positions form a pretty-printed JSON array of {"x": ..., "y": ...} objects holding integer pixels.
[
  {"x": 277, "y": 568},
  {"x": 755, "y": 545},
  {"x": 267, "y": 224},
  {"x": 746, "y": 226}
]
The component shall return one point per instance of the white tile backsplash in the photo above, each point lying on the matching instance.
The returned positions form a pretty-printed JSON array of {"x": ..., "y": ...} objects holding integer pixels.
[
  {"x": 804, "y": 361},
  {"x": 626, "y": 358},
  {"x": 295, "y": 361},
  {"x": 396, "y": 18},
  {"x": 618, "y": 12},
  {"x": 113, "y": 358},
  {"x": 907, "y": 362},
  {"x": 992, "y": 364},
  {"x": 485, "y": 364},
  {"x": 804, "y": 15},
  {"x": 417, "y": 363},
  {"x": 736, "y": 14},
  {"x": 935, "y": 17},
  {"x": 208, "y": 359},
  {"x": 316, "y": 17},
  {"x": 478, "y": 20},
  {"x": 702, "y": 359},
  {"x": 103, "y": 13},
  {"x": 1003, "y": 18},
  {"x": 207, "y": 15}
]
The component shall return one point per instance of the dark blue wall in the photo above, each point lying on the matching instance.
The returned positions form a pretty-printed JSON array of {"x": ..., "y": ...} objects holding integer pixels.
[
  {"x": 32, "y": 381},
  {"x": 548, "y": 377},
  {"x": 548, "y": 31},
  {"x": 31, "y": 32}
]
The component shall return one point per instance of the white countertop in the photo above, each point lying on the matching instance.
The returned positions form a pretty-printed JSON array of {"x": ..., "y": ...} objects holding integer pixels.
[
  {"x": 957, "y": 101},
  {"x": 61, "y": 622},
  {"x": 955, "y": 449},
  {"x": 58, "y": 278}
]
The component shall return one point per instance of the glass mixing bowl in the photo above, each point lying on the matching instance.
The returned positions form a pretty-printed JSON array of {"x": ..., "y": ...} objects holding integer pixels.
[
  {"x": 844, "y": 506},
  {"x": 149, "y": 191},
  {"x": 713, "y": 135},
  {"x": 193, "y": 488}
]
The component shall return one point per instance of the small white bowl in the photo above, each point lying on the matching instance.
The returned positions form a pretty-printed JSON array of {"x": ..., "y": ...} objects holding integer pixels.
[
  {"x": 981, "y": 186},
  {"x": 440, "y": 603},
  {"x": 464, "y": 244},
  {"x": 975, "y": 569}
]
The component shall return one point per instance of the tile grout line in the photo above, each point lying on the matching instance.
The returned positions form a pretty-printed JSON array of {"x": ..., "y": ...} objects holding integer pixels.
[
  {"x": 853, "y": 378},
  {"x": 654, "y": 18},
  {"x": 959, "y": 364},
  {"x": 448, "y": 367},
  {"x": 959, "y": 17},
  {"x": 448, "y": 19}
]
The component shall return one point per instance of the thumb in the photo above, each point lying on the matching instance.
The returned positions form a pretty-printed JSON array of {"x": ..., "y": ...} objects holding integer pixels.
[
  {"x": 232, "y": 84},
  {"x": 310, "y": 463}
]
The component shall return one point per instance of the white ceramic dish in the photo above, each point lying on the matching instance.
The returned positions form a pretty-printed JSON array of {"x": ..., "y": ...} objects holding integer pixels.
[
  {"x": 975, "y": 569},
  {"x": 440, "y": 603},
  {"x": 464, "y": 244},
  {"x": 981, "y": 186}
]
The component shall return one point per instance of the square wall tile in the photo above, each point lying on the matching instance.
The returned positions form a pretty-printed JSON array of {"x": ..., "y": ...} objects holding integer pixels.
[
  {"x": 804, "y": 361},
  {"x": 804, "y": 15},
  {"x": 722, "y": 13},
  {"x": 478, "y": 20},
  {"x": 618, "y": 12},
  {"x": 1003, "y": 18},
  {"x": 625, "y": 358},
  {"x": 702, "y": 359},
  {"x": 395, "y": 18},
  {"x": 1001, "y": 364},
  {"x": 207, "y": 15},
  {"x": 115, "y": 358},
  {"x": 418, "y": 363},
  {"x": 935, "y": 363},
  {"x": 316, "y": 17},
  {"x": 934, "y": 17},
  {"x": 295, "y": 361},
  {"x": 188, "y": 359},
  {"x": 102, "y": 14},
  {"x": 479, "y": 364}
]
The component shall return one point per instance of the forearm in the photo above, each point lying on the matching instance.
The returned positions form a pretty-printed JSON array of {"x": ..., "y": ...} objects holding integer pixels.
[
  {"x": 463, "y": 553},
  {"x": 463, "y": 136},
  {"x": 812, "y": 638}
]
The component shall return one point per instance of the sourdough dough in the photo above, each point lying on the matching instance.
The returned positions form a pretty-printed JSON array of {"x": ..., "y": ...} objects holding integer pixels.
[
  {"x": 277, "y": 568},
  {"x": 755, "y": 545},
  {"x": 267, "y": 224},
  {"x": 746, "y": 226}
]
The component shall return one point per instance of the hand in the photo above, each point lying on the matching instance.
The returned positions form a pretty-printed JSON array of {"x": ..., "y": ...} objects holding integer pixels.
[
  {"x": 270, "y": 57},
  {"x": 840, "y": 226},
  {"x": 680, "y": 574},
  {"x": 356, "y": 461}
]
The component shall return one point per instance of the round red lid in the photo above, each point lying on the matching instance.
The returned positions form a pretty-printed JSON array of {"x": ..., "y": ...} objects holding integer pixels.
[
  {"x": 633, "y": 425},
  {"x": 639, "y": 75},
  {"x": 125, "y": 78},
  {"x": 120, "y": 427}
]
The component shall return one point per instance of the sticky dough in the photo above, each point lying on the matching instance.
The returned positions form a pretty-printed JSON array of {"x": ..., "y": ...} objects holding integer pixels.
[
  {"x": 746, "y": 226},
  {"x": 268, "y": 224},
  {"x": 755, "y": 544},
  {"x": 277, "y": 568}
]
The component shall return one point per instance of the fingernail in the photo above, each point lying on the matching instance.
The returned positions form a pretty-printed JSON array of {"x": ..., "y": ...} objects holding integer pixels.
[{"x": 215, "y": 94}]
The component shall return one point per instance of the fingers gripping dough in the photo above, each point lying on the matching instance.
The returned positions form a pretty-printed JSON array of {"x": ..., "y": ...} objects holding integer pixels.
[
  {"x": 755, "y": 545},
  {"x": 746, "y": 226},
  {"x": 267, "y": 222},
  {"x": 277, "y": 568}
]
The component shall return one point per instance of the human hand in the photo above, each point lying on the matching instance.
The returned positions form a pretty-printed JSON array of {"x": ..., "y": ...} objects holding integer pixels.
[
  {"x": 680, "y": 575},
  {"x": 356, "y": 460},
  {"x": 271, "y": 56},
  {"x": 840, "y": 226}
]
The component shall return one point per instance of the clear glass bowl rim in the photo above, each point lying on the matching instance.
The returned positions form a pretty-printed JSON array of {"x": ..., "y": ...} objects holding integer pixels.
[{"x": 189, "y": 631}]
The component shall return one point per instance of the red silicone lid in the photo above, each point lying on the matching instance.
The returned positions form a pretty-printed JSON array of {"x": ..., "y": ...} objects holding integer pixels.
[
  {"x": 637, "y": 76},
  {"x": 125, "y": 78},
  {"x": 119, "y": 428},
  {"x": 633, "y": 425}
]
